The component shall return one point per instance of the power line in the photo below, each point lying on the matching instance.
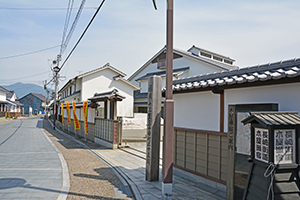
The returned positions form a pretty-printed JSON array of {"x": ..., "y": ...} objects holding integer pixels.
[
  {"x": 82, "y": 34},
  {"x": 67, "y": 20},
  {"x": 25, "y": 77},
  {"x": 67, "y": 39},
  {"x": 25, "y": 54},
  {"x": 30, "y": 9}
]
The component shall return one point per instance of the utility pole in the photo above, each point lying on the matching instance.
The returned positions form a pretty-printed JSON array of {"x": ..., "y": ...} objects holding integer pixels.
[
  {"x": 169, "y": 111},
  {"x": 56, "y": 69}
]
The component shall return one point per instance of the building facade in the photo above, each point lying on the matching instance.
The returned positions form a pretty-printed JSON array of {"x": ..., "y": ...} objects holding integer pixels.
[{"x": 186, "y": 64}]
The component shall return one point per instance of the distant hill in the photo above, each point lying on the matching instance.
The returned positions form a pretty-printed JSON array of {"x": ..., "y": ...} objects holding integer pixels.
[{"x": 21, "y": 89}]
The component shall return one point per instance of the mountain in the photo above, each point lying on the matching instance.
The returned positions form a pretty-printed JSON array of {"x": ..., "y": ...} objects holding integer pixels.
[{"x": 21, "y": 89}]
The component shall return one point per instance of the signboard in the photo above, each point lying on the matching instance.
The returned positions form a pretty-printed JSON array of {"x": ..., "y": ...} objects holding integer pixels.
[
  {"x": 243, "y": 134},
  {"x": 68, "y": 112},
  {"x": 284, "y": 146},
  {"x": 262, "y": 144},
  {"x": 85, "y": 108},
  {"x": 76, "y": 121},
  {"x": 62, "y": 115}
]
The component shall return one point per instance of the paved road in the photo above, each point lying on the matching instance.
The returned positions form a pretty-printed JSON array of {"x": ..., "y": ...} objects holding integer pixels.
[{"x": 30, "y": 166}]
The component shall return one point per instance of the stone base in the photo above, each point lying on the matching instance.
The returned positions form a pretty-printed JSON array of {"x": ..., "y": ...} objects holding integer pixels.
[
  {"x": 167, "y": 191},
  {"x": 106, "y": 143}
]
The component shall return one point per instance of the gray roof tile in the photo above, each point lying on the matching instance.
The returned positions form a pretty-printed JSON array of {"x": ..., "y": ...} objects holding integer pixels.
[
  {"x": 276, "y": 71},
  {"x": 274, "y": 118}
]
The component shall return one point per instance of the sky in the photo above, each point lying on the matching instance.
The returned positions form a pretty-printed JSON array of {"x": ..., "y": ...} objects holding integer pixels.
[{"x": 127, "y": 33}]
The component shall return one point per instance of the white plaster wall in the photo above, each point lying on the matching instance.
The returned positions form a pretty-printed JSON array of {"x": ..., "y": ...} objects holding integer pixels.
[
  {"x": 2, "y": 96},
  {"x": 103, "y": 82},
  {"x": 200, "y": 110},
  {"x": 286, "y": 95},
  {"x": 125, "y": 107},
  {"x": 197, "y": 110},
  {"x": 96, "y": 83}
]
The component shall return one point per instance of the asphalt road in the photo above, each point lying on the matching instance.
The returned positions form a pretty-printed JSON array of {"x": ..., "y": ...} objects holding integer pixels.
[{"x": 30, "y": 167}]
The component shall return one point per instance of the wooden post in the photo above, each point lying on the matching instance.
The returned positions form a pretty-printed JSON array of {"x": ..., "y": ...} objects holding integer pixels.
[
  {"x": 230, "y": 153},
  {"x": 167, "y": 182},
  {"x": 153, "y": 128}
]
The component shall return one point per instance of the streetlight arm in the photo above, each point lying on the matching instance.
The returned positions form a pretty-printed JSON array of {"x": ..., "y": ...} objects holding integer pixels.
[{"x": 154, "y": 4}]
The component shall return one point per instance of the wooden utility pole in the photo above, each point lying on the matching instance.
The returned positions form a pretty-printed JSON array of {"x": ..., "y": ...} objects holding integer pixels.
[{"x": 169, "y": 111}]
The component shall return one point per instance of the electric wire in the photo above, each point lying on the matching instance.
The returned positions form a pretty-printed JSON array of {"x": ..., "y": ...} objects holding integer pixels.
[
  {"x": 71, "y": 31},
  {"x": 25, "y": 76},
  {"x": 37, "y": 9},
  {"x": 82, "y": 34},
  {"x": 67, "y": 20},
  {"x": 25, "y": 54}
]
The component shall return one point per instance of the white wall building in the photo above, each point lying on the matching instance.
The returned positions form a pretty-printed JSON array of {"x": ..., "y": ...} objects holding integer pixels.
[
  {"x": 186, "y": 64},
  {"x": 103, "y": 79},
  {"x": 202, "y": 102}
]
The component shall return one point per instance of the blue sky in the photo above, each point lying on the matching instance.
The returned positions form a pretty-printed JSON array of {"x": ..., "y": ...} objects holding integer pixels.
[{"x": 126, "y": 33}]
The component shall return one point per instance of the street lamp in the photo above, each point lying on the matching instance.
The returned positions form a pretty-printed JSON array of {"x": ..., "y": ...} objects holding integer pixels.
[{"x": 56, "y": 69}]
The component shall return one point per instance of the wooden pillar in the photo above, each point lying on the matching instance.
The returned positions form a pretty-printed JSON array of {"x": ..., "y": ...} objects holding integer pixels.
[
  {"x": 115, "y": 109},
  {"x": 222, "y": 111},
  {"x": 105, "y": 109}
]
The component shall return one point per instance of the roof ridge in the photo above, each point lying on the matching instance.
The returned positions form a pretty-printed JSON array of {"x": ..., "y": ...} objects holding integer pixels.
[{"x": 232, "y": 72}]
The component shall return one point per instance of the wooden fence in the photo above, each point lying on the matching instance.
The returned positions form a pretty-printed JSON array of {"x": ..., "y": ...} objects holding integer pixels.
[{"x": 201, "y": 152}]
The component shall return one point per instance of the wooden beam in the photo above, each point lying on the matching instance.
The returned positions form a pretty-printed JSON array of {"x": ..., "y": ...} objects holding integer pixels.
[{"x": 222, "y": 112}]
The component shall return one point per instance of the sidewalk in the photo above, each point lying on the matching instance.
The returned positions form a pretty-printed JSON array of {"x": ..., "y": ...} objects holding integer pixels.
[{"x": 129, "y": 164}]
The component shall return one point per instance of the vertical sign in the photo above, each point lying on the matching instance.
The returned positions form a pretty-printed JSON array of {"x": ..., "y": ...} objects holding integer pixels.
[
  {"x": 68, "y": 112},
  {"x": 262, "y": 144},
  {"x": 62, "y": 115},
  {"x": 153, "y": 128},
  {"x": 284, "y": 143},
  {"x": 76, "y": 121},
  {"x": 231, "y": 152},
  {"x": 85, "y": 107}
]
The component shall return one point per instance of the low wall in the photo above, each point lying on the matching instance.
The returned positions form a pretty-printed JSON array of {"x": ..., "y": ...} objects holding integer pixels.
[
  {"x": 103, "y": 131},
  {"x": 201, "y": 152}
]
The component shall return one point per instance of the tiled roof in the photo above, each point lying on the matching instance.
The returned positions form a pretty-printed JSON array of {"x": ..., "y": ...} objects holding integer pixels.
[
  {"x": 107, "y": 65},
  {"x": 274, "y": 118},
  {"x": 214, "y": 63},
  {"x": 107, "y": 95},
  {"x": 163, "y": 73},
  {"x": 272, "y": 71},
  {"x": 138, "y": 95},
  {"x": 40, "y": 96},
  {"x": 73, "y": 94},
  {"x": 3, "y": 89},
  {"x": 10, "y": 94}
]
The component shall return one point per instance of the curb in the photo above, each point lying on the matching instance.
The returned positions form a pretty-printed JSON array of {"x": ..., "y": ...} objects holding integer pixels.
[
  {"x": 65, "y": 172},
  {"x": 126, "y": 181}
]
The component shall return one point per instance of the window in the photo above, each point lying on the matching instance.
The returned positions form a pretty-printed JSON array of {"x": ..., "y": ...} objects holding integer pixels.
[
  {"x": 228, "y": 62},
  {"x": 217, "y": 58},
  {"x": 205, "y": 54},
  {"x": 71, "y": 90}
]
